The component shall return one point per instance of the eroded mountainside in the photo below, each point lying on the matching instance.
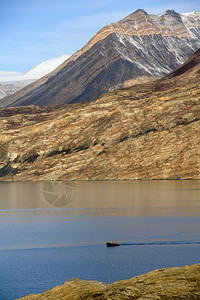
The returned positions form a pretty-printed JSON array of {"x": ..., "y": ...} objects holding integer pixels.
[
  {"x": 167, "y": 284},
  {"x": 149, "y": 131},
  {"x": 136, "y": 49}
]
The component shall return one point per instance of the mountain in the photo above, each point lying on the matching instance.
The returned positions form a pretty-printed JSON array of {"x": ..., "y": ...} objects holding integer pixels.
[
  {"x": 8, "y": 75},
  {"x": 148, "y": 131},
  {"x": 35, "y": 73},
  {"x": 140, "y": 47},
  {"x": 184, "y": 73},
  {"x": 10, "y": 82},
  {"x": 8, "y": 88}
]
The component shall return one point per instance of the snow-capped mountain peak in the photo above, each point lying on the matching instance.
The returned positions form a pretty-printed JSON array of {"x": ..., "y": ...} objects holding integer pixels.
[
  {"x": 45, "y": 67},
  {"x": 9, "y": 74},
  {"x": 35, "y": 73}
]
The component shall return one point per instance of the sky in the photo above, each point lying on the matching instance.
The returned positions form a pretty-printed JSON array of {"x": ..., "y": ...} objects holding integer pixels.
[{"x": 32, "y": 31}]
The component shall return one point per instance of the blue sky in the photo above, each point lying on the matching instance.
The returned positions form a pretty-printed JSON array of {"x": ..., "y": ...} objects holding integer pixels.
[{"x": 32, "y": 31}]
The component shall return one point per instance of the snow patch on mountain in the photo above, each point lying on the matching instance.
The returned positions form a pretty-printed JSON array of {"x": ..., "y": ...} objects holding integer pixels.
[
  {"x": 35, "y": 73},
  {"x": 9, "y": 74},
  {"x": 147, "y": 53},
  {"x": 46, "y": 67},
  {"x": 191, "y": 22},
  {"x": 188, "y": 14}
]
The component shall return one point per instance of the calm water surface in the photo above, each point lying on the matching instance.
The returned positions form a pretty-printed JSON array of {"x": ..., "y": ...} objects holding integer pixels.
[{"x": 51, "y": 232}]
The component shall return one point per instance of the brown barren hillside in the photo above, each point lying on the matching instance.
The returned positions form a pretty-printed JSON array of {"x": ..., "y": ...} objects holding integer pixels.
[
  {"x": 190, "y": 71},
  {"x": 149, "y": 131}
]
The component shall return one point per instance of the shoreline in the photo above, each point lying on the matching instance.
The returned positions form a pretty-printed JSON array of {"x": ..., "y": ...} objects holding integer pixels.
[
  {"x": 167, "y": 283},
  {"x": 98, "y": 180}
]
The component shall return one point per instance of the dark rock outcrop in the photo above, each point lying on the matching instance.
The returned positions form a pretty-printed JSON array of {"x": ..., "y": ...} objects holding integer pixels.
[{"x": 138, "y": 48}]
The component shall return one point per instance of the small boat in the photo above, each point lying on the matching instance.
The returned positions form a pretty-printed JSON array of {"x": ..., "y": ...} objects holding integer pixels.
[{"x": 112, "y": 244}]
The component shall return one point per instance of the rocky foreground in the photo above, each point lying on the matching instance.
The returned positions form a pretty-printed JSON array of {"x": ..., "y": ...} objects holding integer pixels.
[
  {"x": 149, "y": 131},
  {"x": 163, "y": 284}
]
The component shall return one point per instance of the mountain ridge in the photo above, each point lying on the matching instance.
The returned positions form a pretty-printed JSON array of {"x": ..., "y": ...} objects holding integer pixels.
[
  {"x": 138, "y": 46},
  {"x": 11, "y": 82},
  {"x": 36, "y": 72}
]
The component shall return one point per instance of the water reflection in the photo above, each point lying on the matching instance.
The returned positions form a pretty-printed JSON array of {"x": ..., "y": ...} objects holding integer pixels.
[{"x": 123, "y": 198}]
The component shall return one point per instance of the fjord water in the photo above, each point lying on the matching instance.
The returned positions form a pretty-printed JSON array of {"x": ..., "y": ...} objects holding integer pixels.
[{"x": 51, "y": 232}]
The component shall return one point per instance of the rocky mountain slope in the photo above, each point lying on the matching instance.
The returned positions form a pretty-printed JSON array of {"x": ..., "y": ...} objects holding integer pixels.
[
  {"x": 148, "y": 131},
  {"x": 8, "y": 88},
  {"x": 10, "y": 82},
  {"x": 138, "y": 48},
  {"x": 169, "y": 284}
]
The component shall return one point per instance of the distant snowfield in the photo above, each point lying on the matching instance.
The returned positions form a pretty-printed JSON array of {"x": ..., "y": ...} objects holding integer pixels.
[
  {"x": 35, "y": 73},
  {"x": 189, "y": 14}
]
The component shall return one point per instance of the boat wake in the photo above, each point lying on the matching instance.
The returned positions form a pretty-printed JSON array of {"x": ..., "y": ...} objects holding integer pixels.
[
  {"x": 100, "y": 243},
  {"x": 160, "y": 243}
]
